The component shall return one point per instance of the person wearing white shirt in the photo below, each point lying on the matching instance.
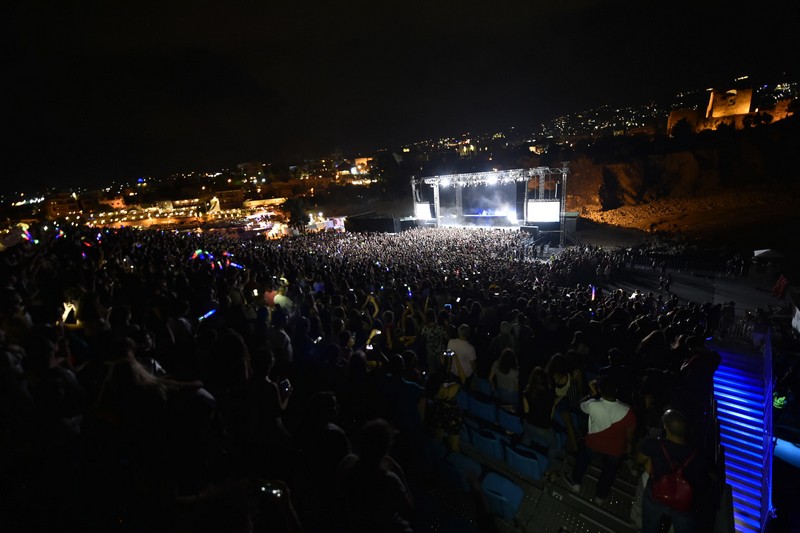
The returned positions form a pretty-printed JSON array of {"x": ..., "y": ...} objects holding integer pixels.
[
  {"x": 464, "y": 351},
  {"x": 283, "y": 300}
]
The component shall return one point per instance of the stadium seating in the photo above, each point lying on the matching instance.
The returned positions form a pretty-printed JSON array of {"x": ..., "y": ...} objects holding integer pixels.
[
  {"x": 523, "y": 462},
  {"x": 483, "y": 408},
  {"x": 509, "y": 421},
  {"x": 482, "y": 385},
  {"x": 462, "y": 399},
  {"x": 503, "y": 496},
  {"x": 459, "y": 468},
  {"x": 488, "y": 444},
  {"x": 467, "y": 429},
  {"x": 541, "y": 459},
  {"x": 507, "y": 397}
]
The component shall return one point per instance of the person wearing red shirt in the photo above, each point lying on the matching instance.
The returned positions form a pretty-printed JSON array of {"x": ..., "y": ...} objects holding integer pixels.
[{"x": 611, "y": 427}]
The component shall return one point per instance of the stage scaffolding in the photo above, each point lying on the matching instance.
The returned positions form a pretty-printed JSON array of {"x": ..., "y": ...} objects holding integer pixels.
[{"x": 551, "y": 186}]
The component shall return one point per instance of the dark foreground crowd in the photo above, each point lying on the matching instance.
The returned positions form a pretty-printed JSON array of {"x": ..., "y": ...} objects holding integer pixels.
[{"x": 165, "y": 381}]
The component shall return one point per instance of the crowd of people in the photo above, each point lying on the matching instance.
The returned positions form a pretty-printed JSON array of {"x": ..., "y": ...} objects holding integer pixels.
[{"x": 175, "y": 381}]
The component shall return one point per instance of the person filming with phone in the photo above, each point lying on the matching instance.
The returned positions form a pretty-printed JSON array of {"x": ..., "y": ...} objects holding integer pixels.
[{"x": 270, "y": 441}]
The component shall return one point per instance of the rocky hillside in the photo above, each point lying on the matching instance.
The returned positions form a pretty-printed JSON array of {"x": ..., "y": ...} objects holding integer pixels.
[{"x": 721, "y": 185}]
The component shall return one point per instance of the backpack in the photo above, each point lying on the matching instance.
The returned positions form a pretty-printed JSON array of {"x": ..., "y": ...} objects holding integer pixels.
[{"x": 672, "y": 489}]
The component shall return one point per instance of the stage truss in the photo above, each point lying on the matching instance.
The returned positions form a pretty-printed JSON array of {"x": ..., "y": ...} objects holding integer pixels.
[{"x": 551, "y": 186}]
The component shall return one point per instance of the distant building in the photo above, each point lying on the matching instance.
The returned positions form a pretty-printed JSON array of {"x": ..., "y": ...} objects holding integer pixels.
[
  {"x": 251, "y": 170},
  {"x": 61, "y": 205},
  {"x": 97, "y": 201},
  {"x": 729, "y": 103},
  {"x": 263, "y": 202},
  {"x": 319, "y": 169},
  {"x": 733, "y": 108},
  {"x": 361, "y": 165},
  {"x": 166, "y": 206},
  {"x": 690, "y": 116},
  {"x": 230, "y": 199},
  {"x": 114, "y": 202},
  {"x": 343, "y": 170}
]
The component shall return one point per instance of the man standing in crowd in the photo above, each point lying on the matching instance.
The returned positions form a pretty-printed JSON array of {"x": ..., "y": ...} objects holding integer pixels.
[
  {"x": 465, "y": 352},
  {"x": 661, "y": 456},
  {"x": 282, "y": 298},
  {"x": 611, "y": 427}
]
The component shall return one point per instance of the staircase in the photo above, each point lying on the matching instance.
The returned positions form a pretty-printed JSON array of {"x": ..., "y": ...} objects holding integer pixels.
[
  {"x": 572, "y": 238},
  {"x": 743, "y": 394}
]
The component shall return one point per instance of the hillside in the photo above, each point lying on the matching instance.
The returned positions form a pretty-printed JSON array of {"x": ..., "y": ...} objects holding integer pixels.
[
  {"x": 734, "y": 189},
  {"x": 727, "y": 217}
]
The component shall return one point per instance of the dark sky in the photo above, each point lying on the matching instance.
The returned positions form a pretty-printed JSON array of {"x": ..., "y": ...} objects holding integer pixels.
[{"x": 105, "y": 90}]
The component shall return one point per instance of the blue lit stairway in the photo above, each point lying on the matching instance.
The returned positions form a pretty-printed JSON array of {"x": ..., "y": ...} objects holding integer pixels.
[{"x": 743, "y": 392}]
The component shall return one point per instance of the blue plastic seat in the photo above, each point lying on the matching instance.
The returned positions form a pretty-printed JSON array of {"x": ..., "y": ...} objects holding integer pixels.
[
  {"x": 460, "y": 468},
  {"x": 561, "y": 439},
  {"x": 541, "y": 443},
  {"x": 487, "y": 443},
  {"x": 463, "y": 400},
  {"x": 509, "y": 421},
  {"x": 485, "y": 410},
  {"x": 541, "y": 459},
  {"x": 503, "y": 496},
  {"x": 501, "y": 436},
  {"x": 523, "y": 462},
  {"x": 483, "y": 386},
  {"x": 469, "y": 428},
  {"x": 465, "y": 435},
  {"x": 507, "y": 397}
]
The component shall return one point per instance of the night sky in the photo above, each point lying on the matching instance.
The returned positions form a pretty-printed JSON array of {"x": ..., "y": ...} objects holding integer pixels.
[{"x": 105, "y": 90}]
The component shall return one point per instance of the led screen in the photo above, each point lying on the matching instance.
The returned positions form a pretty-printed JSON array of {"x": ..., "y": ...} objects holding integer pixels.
[
  {"x": 543, "y": 211},
  {"x": 422, "y": 211}
]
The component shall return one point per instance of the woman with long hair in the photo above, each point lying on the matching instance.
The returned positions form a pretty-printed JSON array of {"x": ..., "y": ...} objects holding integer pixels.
[
  {"x": 538, "y": 404},
  {"x": 504, "y": 377},
  {"x": 435, "y": 336}
]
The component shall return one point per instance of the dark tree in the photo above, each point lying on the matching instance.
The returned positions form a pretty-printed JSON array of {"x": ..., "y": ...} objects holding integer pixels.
[
  {"x": 609, "y": 193},
  {"x": 297, "y": 213},
  {"x": 682, "y": 129}
]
